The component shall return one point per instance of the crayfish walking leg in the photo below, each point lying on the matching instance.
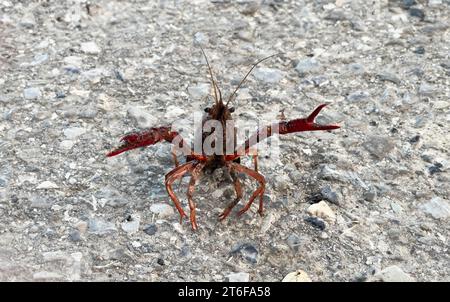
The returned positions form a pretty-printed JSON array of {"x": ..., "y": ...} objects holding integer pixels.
[
  {"x": 239, "y": 194},
  {"x": 195, "y": 175},
  {"x": 259, "y": 191},
  {"x": 171, "y": 177}
]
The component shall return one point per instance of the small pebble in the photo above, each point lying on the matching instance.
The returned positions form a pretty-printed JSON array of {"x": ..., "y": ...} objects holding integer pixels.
[
  {"x": 356, "y": 68},
  {"x": 75, "y": 236},
  {"x": 141, "y": 116},
  {"x": 119, "y": 75},
  {"x": 41, "y": 202},
  {"x": 163, "y": 210},
  {"x": 201, "y": 38},
  {"x": 322, "y": 210},
  {"x": 66, "y": 144},
  {"x": 437, "y": 207},
  {"x": 426, "y": 89},
  {"x": 316, "y": 222},
  {"x": 90, "y": 48},
  {"x": 238, "y": 277},
  {"x": 3, "y": 182},
  {"x": 131, "y": 225},
  {"x": 45, "y": 276},
  {"x": 329, "y": 195},
  {"x": 385, "y": 76},
  {"x": 101, "y": 227},
  {"x": 39, "y": 59},
  {"x": 408, "y": 3},
  {"x": 307, "y": 65},
  {"x": 73, "y": 62},
  {"x": 150, "y": 229},
  {"x": 379, "y": 146},
  {"x": 31, "y": 93},
  {"x": 297, "y": 276},
  {"x": 396, "y": 208},
  {"x": 47, "y": 185},
  {"x": 72, "y": 70},
  {"x": 60, "y": 95},
  {"x": 320, "y": 81},
  {"x": 246, "y": 251},
  {"x": 369, "y": 195},
  {"x": 324, "y": 235},
  {"x": 414, "y": 139},
  {"x": 393, "y": 274},
  {"x": 293, "y": 241},
  {"x": 199, "y": 91},
  {"x": 358, "y": 96},
  {"x": 419, "y": 50},
  {"x": 160, "y": 261},
  {"x": 74, "y": 132},
  {"x": 416, "y": 12},
  {"x": 28, "y": 20},
  {"x": 337, "y": 15},
  {"x": 436, "y": 168},
  {"x": 268, "y": 75}
]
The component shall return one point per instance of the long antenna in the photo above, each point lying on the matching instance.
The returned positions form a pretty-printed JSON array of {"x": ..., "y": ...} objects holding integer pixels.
[
  {"x": 243, "y": 80},
  {"x": 211, "y": 74}
]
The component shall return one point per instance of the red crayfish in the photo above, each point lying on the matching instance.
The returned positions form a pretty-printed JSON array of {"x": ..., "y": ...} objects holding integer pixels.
[{"x": 197, "y": 162}]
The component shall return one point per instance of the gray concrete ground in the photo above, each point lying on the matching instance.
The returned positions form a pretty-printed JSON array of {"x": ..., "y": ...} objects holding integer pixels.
[{"x": 77, "y": 75}]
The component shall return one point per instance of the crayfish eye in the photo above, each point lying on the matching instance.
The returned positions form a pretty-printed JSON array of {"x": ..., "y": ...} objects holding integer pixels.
[{"x": 207, "y": 109}]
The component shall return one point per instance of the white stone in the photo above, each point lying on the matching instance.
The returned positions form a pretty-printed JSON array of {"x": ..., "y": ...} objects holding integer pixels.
[
  {"x": 31, "y": 93},
  {"x": 297, "y": 276},
  {"x": 238, "y": 277},
  {"x": 393, "y": 274},
  {"x": 136, "y": 244},
  {"x": 426, "y": 89},
  {"x": 434, "y": 3},
  {"x": 55, "y": 256},
  {"x": 39, "y": 59},
  {"x": 28, "y": 20},
  {"x": 178, "y": 227},
  {"x": 199, "y": 91},
  {"x": 201, "y": 38},
  {"x": 82, "y": 226},
  {"x": 94, "y": 75},
  {"x": 173, "y": 112},
  {"x": 47, "y": 185},
  {"x": 46, "y": 275},
  {"x": 56, "y": 208},
  {"x": 132, "y": 226},
  {"x": 436, "y": 207},
  {"x": 268, "y": 75},
  {"x": 267, "y": 222},
  {"x": 79, "y": 92},
  {"x": 75, "y": 269},
  {"x": 66, "y": 144},
  {"x": 162, "y": 210},
  {"x": 101, "y": 227},
  {"x": 73, "y": 61},
  {"x": 396, "y": 207},
  {"x": 142, "y": 116},
  {"x": 307, "y": 65},
  {"x": 324, "y": 235},
  {"x": 322, "y": 210},
  {"x": 74, "y": 132},
  {"x": 90, "y": 48}
]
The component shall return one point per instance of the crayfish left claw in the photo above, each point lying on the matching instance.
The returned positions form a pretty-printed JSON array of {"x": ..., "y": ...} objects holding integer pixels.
[
  {"x": 310, "y": 119},
  {"x": 306, "y": 124},
  {"x": 140, "y": 139}
]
